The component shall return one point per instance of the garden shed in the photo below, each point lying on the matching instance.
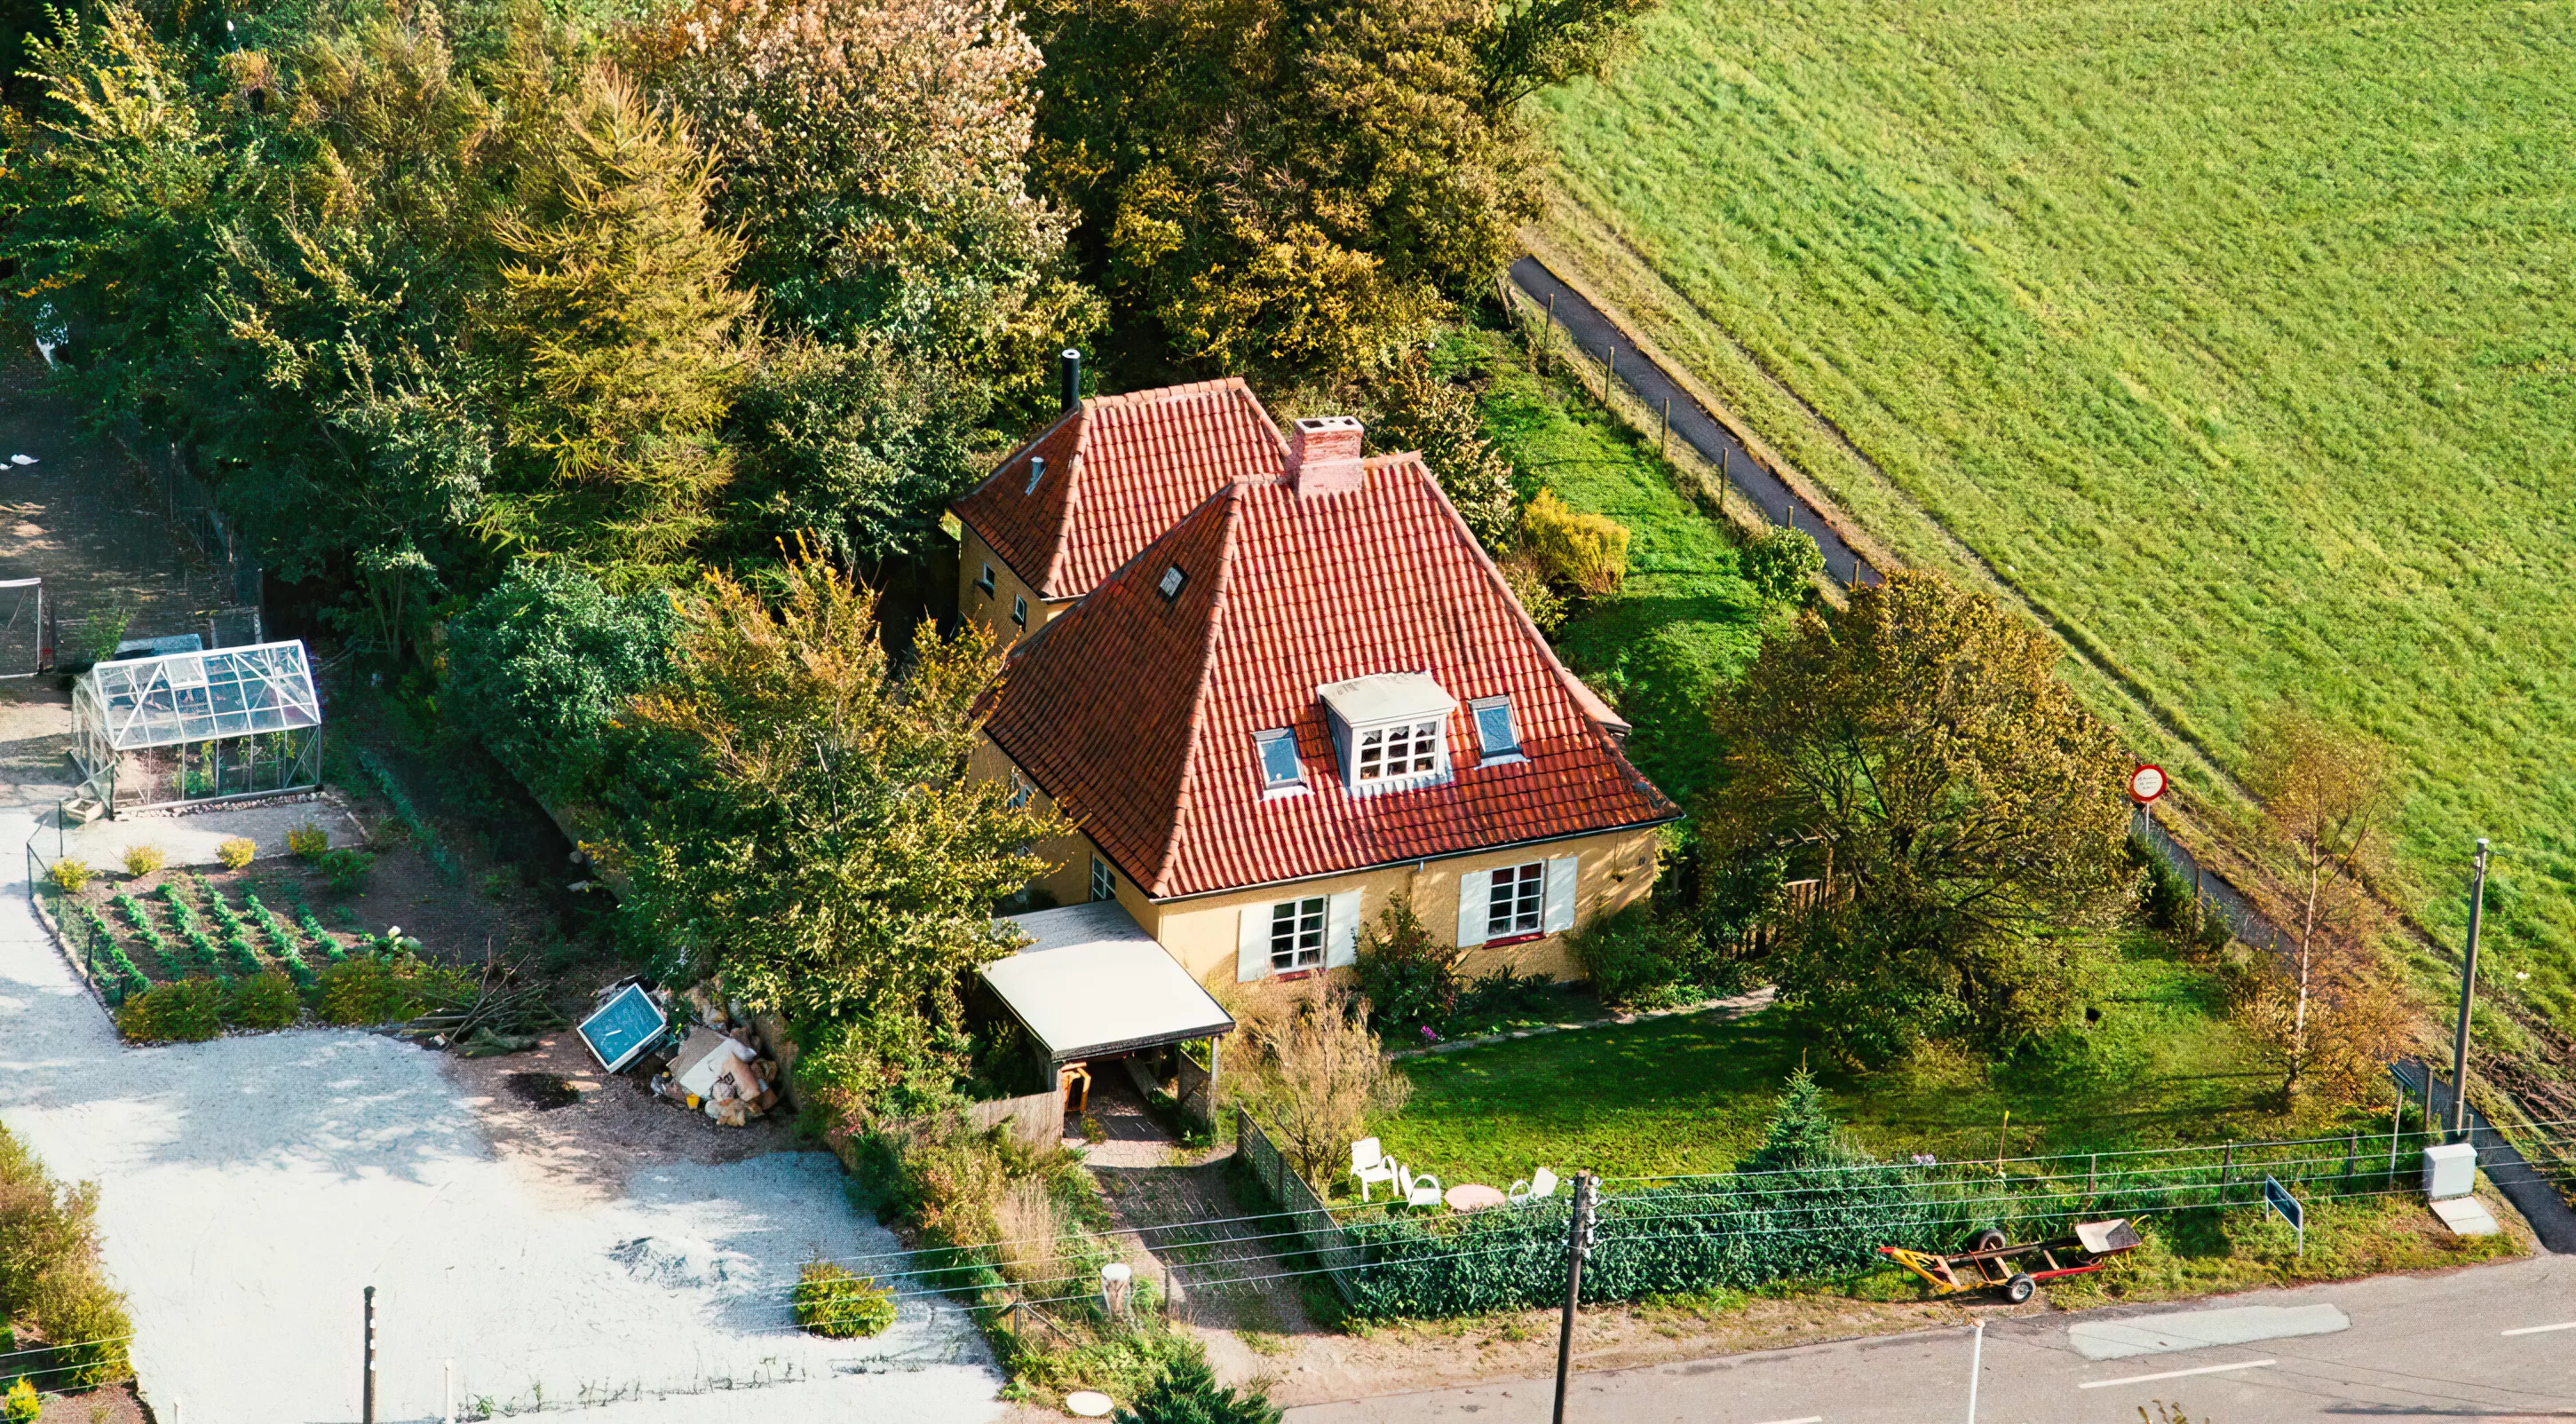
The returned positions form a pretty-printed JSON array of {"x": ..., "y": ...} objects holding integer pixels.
[{"x": 184, "y": 727}]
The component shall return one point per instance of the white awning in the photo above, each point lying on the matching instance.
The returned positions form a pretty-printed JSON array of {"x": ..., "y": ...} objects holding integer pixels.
[{"x": 1091, "y": 984}]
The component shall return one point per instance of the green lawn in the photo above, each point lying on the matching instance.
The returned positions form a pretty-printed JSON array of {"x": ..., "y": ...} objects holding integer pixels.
[
  {"x": 2240, "y": 340},
  {"x": 1691, "y": 1094},
  {"x": 1685, "y": 621}
]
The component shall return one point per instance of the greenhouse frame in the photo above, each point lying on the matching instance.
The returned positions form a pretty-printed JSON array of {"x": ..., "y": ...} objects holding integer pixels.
[{"x": 184, "y": 728}]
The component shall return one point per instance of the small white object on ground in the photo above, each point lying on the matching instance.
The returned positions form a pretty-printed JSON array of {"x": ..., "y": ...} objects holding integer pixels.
[
  {"x": 2198, "y": 1329},
  {"x": 2466, "y": 1216},
  {"x": 1089, "y": 1403},
  {"x": 22, "y": 459}
]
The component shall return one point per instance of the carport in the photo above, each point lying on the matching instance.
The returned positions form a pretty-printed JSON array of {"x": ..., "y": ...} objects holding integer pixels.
[{"x": 1092, "y": 986}]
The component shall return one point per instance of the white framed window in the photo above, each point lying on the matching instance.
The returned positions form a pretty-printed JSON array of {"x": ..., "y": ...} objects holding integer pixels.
[
  {"x": 1405, "y": 749},
  {"x": 1517, "y": 902},
  {"x": 1173, "y": 579},
  {"x": 1019, "y": 610},
  {"x": 1297, "y": 934},
  {"x": 1104, "y": 881},
  {"x": 986, "y": 582},
  {"x": 1498, "y": 736},
  {"x": 1281, "y": 772}
]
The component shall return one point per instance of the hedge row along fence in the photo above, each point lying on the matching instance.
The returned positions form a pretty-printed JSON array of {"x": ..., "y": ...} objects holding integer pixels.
[{"x": 1740, "y": 1230}]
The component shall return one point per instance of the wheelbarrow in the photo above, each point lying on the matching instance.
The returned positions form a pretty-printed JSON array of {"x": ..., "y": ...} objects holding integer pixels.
[{"x": 1992, "y": 1263}]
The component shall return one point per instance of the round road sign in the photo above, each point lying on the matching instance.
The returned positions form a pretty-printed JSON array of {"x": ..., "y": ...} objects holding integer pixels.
[{"x": 2146, "y": 784}]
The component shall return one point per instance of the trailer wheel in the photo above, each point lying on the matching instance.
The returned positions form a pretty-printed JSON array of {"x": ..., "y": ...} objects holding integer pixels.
[
  {"x": 1988, "y": 1239},
  {"x": 2020, "y": 1288}
]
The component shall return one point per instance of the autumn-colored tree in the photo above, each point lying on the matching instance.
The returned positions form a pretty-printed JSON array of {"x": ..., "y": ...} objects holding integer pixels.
[
  {"x": 1283, "y": 186},
  {"x": 1918, "y": 755},
  {"x": 874, "y": 155},
  {"x": 823, "y": 852},
  {"x": 1311, "y": 1069},
  {"x": 2321, "y": 1004},
  {"x": 1418, "y": 410}
]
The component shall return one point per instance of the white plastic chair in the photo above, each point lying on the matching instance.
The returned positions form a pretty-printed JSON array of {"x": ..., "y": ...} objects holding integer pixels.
[
  {"x": 1417, "y": 1191},
  {"x": 1370, "y": 1163},
  {"x": 1542, "y": 1185}
]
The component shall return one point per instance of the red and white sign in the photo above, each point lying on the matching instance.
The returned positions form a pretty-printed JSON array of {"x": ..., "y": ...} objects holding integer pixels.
[{"x": 2146, "y": 784}]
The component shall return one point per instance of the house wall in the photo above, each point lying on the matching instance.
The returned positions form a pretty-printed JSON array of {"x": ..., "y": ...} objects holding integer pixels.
[
  {"x": 1612, "y": 870},
  {"x": 993, "y": 610}
]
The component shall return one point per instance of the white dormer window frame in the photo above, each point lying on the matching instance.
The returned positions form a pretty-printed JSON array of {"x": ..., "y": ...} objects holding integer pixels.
[
  {"x": 1391, "y": 731},
  {"x": 1410, "y": 752}
]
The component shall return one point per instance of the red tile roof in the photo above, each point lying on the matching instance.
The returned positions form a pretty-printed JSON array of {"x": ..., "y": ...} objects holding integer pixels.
[
  {"x": 1120, "y": 471},
  {"x": 1137, "y": 713}
]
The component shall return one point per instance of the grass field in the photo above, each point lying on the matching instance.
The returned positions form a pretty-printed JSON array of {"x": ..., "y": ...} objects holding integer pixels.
[
  {"x": 1692, "y": 1094},
  {"x": 2239, "y": 341}
]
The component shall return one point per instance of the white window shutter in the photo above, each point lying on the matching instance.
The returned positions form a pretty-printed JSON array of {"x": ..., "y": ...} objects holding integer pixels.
[
  {"x": 1252, "y": 945},
  {"x": 1475, "y": 893},
  {"x": 1560, "y": 894},
  {"x": 1342, "y": 930}
]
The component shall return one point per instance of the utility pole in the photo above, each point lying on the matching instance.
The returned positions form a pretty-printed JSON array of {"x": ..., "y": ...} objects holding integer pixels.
[
  {"x": 2468, "y": 992},
  {"x": 1578, "y": 1244},
  {"x": 1976, "y": 1367},
  {"x": 367, "y": 1390}
]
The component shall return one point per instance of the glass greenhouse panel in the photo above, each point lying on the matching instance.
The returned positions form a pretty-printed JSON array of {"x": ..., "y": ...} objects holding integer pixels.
[{"x": 195, "y": 697}]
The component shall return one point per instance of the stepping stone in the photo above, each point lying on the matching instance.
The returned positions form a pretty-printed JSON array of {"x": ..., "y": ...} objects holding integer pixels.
[{"x": 2466, "y": 1216}]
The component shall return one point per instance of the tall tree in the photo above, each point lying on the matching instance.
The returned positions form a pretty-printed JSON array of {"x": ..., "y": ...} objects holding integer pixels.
[
  {"x": 1917, "y": 755},
  {"x": 826, "y": 856},
  {"x": 2322, "y": 1006},
  {"x": 1283, "y": 184}
]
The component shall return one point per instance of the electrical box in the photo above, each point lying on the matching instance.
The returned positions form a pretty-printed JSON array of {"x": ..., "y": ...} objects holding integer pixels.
[{"x": 2450, "y": 1170}]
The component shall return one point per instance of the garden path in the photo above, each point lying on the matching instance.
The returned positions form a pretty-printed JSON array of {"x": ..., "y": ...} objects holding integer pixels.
[
  {"x": 1217, "y": 1266},
  {"x": 249, "y": 1187}
]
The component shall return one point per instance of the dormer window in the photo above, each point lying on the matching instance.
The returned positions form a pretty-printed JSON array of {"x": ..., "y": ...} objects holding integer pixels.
[
  {"x": 1498, "y": 738},
  {"x": 1391, "y": 730},
  {"x": 1281, "y": 774},
  {"x": 1173, "y": 578}
]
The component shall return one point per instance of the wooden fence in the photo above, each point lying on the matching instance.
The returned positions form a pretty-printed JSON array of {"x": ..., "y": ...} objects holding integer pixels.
[{"x": 1330, "y": 1244}]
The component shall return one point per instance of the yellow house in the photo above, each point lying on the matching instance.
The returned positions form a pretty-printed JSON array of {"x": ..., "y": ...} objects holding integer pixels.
[{"x": 1305, "y": 694}]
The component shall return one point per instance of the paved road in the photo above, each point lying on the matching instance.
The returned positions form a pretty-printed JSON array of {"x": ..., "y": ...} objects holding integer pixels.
[{"x": 2432, "y": 1347}]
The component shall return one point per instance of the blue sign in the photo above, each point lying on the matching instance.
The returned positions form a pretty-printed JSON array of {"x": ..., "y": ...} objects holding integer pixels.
[
  {"x": 2278, "y": 1198},
  {"x": 623, "y": 1027}
]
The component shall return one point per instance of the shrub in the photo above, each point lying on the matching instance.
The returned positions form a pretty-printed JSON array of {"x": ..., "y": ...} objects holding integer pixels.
[
  {"x": 1586, "y": 551},
  {"x": 184, "y": 1011},
  {"x": 1187, "y": 1392},
  {"x": 21, "y": 1406},
  {"x": 237, "y": 852},
  {"x": 264, "y": 1001},
  {"x": 75, "y": 1304},
  {"x": 49, "y": 1273},
  {"x": 347, "y": 870},
  {"x": 371, "y": 989},
  {"x": 1409, "y": 978},
  {"x": 307, "y": 842},
  {"x": 832, "y": 1302},
  {"x": 542, "y": 665},
  {"x": 142, "y": 860},
  {"x": 1780, "y": 560},
  {"x": 1640, "y": 959},
  {"x": 69, "y": 875},
  {"x": 1316, "y": 1074},
  {"x": 1528, "y": 583}
]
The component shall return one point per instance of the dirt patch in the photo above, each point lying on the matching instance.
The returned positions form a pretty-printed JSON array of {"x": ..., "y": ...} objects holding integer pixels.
[
  {"x": 112, "y": 1404},
  {"x": 543, "y": 1091}
]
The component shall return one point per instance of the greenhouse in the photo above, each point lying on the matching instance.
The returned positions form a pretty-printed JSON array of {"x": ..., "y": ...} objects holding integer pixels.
[{"x": 185, "y": 727}]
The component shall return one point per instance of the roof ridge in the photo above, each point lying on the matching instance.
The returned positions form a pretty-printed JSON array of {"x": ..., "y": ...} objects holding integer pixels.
[
  {"x": 1232, "y": 494},
  {"x": 1073, "y": 468}
]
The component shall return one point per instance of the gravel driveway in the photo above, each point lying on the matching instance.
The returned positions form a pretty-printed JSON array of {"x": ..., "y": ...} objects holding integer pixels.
[{"x": 250, "y": 1187}]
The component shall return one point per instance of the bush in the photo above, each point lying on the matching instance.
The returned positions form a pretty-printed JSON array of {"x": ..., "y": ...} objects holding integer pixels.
[
  {"x": 347, "y": 870},
  {"x": 142, "y": 860},
  {"x": 307, "y": 842},
  {"x": 264, "y": 1001},
  {"x": 1409, "y": 978},
  {"x": 21, "y": 1406},
  {"x": 1313, "y": 1072},
  {"x": 49, "y": 1273},
  {"x": 832, "y": 1302},
  {"x": 1187, "y": 1392},
  {"x": 187, "y": 1011},
  {"x": 237, "y": 852},
  {"x": 1780, "y": 560},
  {"x": 1528, "y": 584},
  {"x": 370, "y": 989},
  {"x": 541, "y": 666},
  {"x": 1642, "y": 960},
  {"x": 69, "y": 875},
  {"x": 1586, "y": 551}
]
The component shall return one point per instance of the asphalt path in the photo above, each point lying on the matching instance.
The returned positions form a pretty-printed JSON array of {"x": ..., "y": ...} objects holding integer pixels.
[{"x": 2489, "y": 1343}]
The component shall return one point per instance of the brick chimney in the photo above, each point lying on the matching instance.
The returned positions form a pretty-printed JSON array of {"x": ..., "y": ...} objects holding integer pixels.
[{"x": 1324, "y": 455}]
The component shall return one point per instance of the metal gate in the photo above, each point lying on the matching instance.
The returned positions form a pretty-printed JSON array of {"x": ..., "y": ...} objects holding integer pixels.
[{"x": 22, "y": 627}]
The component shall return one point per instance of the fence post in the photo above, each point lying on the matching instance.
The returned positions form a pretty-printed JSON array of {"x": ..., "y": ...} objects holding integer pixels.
[
  {"x": 2226, "y": 1170},
  {"x": 2396, "y": 1124},
  {"x": 1609, "y": 371},
  {"x": 2092, "y": 1176},
  {"x": 1664, "y": 442},
  {"x": 2351, "y": 1148}
]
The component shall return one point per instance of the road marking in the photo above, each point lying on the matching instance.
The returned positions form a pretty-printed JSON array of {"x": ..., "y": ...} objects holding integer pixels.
[
  {"x": 2176, "y": 1374},
  {"x": 2543, "y": 1329}
]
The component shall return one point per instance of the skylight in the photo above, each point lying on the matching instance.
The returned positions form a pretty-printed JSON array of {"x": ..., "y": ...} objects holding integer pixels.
[
  {"x": 1173, "y": 578},
  {"x": 1280, "y": 770},
  {"x": 1496, "y": 738}
]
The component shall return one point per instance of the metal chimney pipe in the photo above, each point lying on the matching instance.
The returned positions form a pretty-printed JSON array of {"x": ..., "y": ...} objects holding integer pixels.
[{"x": 1071, "y": 363}]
